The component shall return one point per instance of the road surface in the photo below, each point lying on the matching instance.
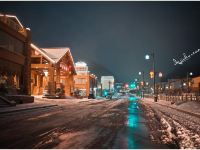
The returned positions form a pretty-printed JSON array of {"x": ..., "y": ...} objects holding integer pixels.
[{"x": 76, "y": 123}]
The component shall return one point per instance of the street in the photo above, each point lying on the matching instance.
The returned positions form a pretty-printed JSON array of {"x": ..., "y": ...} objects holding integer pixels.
[
  {"x": 91, "y": 123},
  {"x": 76, "y": 123}
]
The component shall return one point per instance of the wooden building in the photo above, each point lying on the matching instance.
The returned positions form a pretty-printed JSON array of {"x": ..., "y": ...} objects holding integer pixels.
[
  {"x": 195, "y": 84},
  {"x": 84, "y": 80},
  {"x": 51, "y": 69},
  {"x": 15, "y": 51}
]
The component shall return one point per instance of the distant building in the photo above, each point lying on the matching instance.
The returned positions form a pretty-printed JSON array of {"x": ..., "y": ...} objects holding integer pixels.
[
  {"x": 118, "y": 86},
  {"x": 84, "y": 80},
  {"x": 196, "y": 84},
  {"x": 52, "y": 69},
  {"x": 107, "y": 82},
  {"x": 15, "y": 54}
]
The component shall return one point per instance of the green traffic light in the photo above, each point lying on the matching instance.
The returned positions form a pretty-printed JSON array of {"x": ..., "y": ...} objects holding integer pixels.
[
  {"x": 105, "y": 93},
  {"x": 132, "y": 85}
]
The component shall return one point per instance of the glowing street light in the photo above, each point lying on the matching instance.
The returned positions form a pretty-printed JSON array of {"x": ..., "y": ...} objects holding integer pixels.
[
  {"x": 188, "y": 74},
  {"x": 147, "y": 57},
  {"x": 141, "y": 73},
  {"x": 160, "y": 74}
]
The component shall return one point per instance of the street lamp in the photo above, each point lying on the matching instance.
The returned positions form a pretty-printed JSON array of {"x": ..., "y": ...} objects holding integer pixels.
[
  {"x": 142, "y": 83},
  {"x": 160, "y": 74},
  {"x": 147, "y": 57},
  {"x": 188, "y": 74}
]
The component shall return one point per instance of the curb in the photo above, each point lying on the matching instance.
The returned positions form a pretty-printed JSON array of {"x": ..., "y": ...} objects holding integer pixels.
[{"x": 24, "y": 109}]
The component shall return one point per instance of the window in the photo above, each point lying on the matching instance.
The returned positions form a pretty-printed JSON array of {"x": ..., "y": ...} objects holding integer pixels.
[
  {"x": 80, "y": 81},
  {"x": 35, "y": 60},
  {"x": 10, "y": 43}
]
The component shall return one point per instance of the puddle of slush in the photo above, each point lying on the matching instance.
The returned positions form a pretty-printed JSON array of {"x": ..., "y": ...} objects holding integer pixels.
[{"x": 135, "y": 134}]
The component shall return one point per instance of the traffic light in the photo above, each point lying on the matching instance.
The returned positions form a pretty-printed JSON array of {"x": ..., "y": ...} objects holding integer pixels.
[
  {"x": 105, "y": 93},
  {"x": 151, "y": 74},
  {"x": 126, "y": 85},
  {"x": 133, "y": 85}
]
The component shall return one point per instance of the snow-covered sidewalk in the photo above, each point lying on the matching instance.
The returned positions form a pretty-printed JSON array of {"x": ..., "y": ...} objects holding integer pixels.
[
  {"x": 172, "y": 124},
  {"x": 192, "y": 107}
]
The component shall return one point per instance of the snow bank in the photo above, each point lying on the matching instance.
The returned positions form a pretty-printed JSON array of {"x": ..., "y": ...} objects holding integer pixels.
[{"x": 191, "y": 106}]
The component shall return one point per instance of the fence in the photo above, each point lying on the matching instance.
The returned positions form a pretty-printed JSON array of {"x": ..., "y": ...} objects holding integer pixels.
[{"x": 177, "y": 98}]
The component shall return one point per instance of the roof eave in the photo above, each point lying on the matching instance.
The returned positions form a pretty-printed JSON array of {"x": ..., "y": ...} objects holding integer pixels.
[{"x": 39, "y": 50}]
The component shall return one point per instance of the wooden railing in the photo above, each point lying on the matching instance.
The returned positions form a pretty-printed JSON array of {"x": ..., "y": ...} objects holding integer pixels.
[
  {"x": 177, "y": 98},
  {"x": 187, "y": 97}
]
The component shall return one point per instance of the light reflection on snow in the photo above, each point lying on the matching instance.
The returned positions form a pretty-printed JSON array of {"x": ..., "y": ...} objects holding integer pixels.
[{"x": 133, "y": 121}]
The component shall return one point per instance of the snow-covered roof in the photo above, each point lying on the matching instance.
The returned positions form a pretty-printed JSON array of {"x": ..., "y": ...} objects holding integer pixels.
[
  {"x": 80, "y": 64},
  {"x": 107, "y": 78},
  {"x": 55, "y": 53},
  {"x": 14, "y": 18}
]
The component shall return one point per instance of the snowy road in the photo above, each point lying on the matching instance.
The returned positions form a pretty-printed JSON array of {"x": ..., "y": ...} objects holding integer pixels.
[
  {"x": 171, "y": 126},
  {"x": 77, "y": 123},
  {"x": 73, "y": 123}
]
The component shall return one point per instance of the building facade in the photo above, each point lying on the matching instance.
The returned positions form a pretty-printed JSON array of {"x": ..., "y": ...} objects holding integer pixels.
[
  {"x": 15, "y": 51},
  {"x": 195, "y": 86},
  {"x": 107, "y": 82},
  {"x": 84, "y": 80},
  {"x": 52, "y": 69}
]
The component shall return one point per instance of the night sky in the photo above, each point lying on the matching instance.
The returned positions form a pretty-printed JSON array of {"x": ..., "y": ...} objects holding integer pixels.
[{"x": 113, "y": 37}]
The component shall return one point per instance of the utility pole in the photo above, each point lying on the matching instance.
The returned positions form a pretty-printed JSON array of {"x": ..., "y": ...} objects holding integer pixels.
[
  {"x": 142, "y": 83},
  {"x": 101, "y": 90},
  {"x": 154, "y": 75},
  {"x": 187, "y": 82},
  {"x": 109, "y": 85},
  {"x": 154, "y": 78},
  {"x": 188, "y": 87}
]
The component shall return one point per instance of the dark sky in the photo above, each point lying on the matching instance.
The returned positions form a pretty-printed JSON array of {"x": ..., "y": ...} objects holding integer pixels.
[{"x": 113, "y": 37}]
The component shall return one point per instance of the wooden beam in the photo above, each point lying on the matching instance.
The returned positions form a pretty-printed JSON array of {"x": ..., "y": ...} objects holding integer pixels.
[
  {"x": 36, "y": 56},
  {"x": 12, "y": 56},
  {"x": 40, "y": 66}
]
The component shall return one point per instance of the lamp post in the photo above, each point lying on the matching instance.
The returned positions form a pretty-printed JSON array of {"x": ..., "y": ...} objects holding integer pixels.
[
  {"x": 109, "y": 82},
  {"x": 160, "y": 75},
  {"x": 188, "y": 74},
  {"x": 147, "y": 57},
  {"x": 101, "y": 90},
  {"x": 141, "y": 73}
]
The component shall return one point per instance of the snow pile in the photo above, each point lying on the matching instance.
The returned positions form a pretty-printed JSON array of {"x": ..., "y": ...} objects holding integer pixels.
[
  {"x": 176, "y": 128},
  {"x": 183, "y": 136},
  {"x": 167, "y": 136},
  {"x": 191, "y": 106}
]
